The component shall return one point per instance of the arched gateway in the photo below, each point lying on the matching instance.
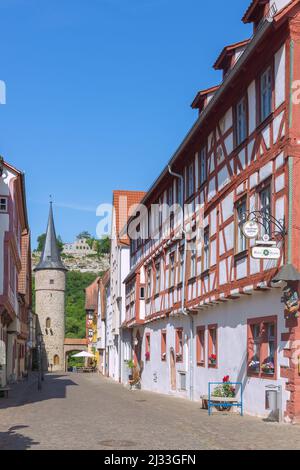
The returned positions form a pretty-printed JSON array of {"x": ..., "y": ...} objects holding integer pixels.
[{"x": 71, "y": 345}]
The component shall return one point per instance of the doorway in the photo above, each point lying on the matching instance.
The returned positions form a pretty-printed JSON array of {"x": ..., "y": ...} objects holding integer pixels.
[{"x": 173, "y": 369}]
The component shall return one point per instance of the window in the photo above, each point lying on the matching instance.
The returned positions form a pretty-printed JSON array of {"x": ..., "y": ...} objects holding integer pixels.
[
  {"x": 164, "y": 346},
  {"x": 212, "y": 346},
  {"x": 172, "y": 270},
  {"x": 266, "y": 94},
  {"x": 51, "y": 281},
  {"x": 265, "y": 207},
  {"x": 202, "y": 166},
  {"x": 262, "y": 347},
  {"x": 48, "y": 323},
  {"x": 3, "y": 204},
  {"x": 206, "y": 250},
  {"x": 200, "y": 346},
  {"x": 241, "y": 243},
  {"x": 179, "y": 191},
  {"x": 191, "y": 180},
  {"x": 179, "y": 345},
  {"x": 241, "y": 121},
  {"x": 193, "y": 261},
  {"x": 148, "y": 346},
  {"x": 157, "y": 278},
  {"x": 142, "y": 293},
  {"x": 170, "y": 196},
  {"x": 182, "y": 254},
  {"x": 91, "y": 333},
  {"x": 149, "y": 283}
]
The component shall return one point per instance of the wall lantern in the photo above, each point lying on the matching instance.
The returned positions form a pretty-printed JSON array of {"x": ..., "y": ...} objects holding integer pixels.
[{"x": 291, "y": 276}]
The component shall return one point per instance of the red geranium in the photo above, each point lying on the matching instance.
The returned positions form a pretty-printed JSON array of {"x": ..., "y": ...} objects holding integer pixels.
[
  {"x": 226, "y": 379},
  {"x": 213, "y": 357}
]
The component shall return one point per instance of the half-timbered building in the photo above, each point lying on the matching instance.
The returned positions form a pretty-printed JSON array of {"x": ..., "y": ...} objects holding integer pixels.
[
  {"x": 201, "y": 307},
  {"x": 15, "y": 274}
]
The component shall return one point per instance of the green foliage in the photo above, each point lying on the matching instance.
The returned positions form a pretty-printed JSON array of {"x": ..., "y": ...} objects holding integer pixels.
[
  {"x": 75, "y": 300},
  {"x": 75, "y": 361},
  {"x": 41, "y": 241},
  {"x": 84, "y": 234}
]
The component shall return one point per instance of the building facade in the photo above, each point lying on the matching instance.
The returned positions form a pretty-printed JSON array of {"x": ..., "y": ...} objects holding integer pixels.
[
  {"x": 199, "y": 305},
  {"x": 79, "y": 248},
  {"x": 103, "y": 295},
  {"x": 91, "y": 308},
  {"x": 119, "y": 339},
  {"x": 15, "y": 274},
  {"x": 50, "y": 287}
]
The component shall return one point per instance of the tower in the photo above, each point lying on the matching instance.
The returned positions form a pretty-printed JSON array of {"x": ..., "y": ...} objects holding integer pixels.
[{"x": 50, "y": 286}]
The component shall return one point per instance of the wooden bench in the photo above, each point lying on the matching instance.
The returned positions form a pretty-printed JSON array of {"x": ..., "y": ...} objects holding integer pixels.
[{"x": 5, "y": 391}]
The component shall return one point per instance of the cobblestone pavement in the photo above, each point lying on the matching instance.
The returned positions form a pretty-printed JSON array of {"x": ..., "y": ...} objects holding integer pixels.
[{"x": 76, "y": 411}]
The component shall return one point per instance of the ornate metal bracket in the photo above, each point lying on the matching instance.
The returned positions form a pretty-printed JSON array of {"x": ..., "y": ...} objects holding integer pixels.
[{"x": 274, "y": 227}]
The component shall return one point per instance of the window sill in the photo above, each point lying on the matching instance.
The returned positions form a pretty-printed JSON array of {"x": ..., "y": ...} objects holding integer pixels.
[
  {"x": 205, "y": 273},
  {"x": 213, "y": 366},
  {"x": 200, "y": 364}
]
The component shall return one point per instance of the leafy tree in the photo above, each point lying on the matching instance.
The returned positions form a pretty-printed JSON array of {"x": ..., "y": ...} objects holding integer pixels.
[
  {"x": 85, "y": 234},
  {"x": 41, "y": 242},
  {"x": 75, "y": 303}
]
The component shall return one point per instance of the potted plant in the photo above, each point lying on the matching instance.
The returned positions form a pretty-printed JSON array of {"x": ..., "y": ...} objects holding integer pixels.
[
  {"x": 226, "y": 390},
  {"x": 268, "y": 368},
  {"x": 212, "y": 359},
  {"x": 254, "y": 366},
  {"x": 130, "y": 365}
]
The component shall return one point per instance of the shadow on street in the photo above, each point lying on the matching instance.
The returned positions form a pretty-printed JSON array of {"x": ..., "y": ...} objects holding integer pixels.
[{"x": 14, "y": 440}]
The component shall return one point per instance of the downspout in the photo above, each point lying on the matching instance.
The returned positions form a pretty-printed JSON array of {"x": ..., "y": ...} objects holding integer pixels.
[
  {"x": 120, "y": 342},
  {"x": 290, "y": 158},
  {"x": 185, "y": 311}
]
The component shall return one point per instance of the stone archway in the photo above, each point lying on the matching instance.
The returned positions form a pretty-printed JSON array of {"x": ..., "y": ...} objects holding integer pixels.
[{"x": 72, "y": 344}]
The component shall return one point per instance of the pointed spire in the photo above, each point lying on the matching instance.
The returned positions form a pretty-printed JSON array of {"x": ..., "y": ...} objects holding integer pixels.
[{"x": 50, "y": 258}]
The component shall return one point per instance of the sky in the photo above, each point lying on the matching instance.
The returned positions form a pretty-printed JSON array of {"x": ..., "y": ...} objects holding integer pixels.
[{"x": 99, "y": 93}]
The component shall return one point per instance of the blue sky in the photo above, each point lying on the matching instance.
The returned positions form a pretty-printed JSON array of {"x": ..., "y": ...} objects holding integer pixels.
[{"x": 99, "y": 93}]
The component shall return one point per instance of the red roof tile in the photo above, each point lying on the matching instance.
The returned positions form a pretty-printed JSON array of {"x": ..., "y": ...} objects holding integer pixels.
[
  {"x": 91, "y": 296},
  {"x": 122, "y": 203}
]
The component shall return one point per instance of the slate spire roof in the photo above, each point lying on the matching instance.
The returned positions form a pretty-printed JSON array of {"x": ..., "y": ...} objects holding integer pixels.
[{"x": 50, "y": 258}]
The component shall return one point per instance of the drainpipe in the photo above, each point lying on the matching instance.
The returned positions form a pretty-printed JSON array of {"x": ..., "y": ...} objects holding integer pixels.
[
  {"x": 185, "y": 311},
  {"x": 290, "y": 159}
]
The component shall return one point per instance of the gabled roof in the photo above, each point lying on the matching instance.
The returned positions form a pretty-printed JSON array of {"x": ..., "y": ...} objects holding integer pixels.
[
  {"x": 122, "y": 202},
  {"x": 201, "y": 96},
  {"x": 252, "y": 10},
  {"x": 91, "y": 295},
  {"x": 50, "y": 258},
  {"x": 227, "y": 52}
]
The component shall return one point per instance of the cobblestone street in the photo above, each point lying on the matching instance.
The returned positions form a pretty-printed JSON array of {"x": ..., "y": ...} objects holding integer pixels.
[{"x": 89, "y": 412}]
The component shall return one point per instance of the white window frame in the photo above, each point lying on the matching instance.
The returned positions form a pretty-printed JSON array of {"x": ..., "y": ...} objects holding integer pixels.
[
  {"x": 266, "y": 94},
  {"x": 3, "y": 201},
  {"x": 241, "y": 121},
  {"x": 203, "y": 166}
]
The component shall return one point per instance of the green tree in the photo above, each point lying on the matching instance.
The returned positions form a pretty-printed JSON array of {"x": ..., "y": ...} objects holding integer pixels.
[
  {"x": 84, "y": 234},
  {"x": 75, "y": 303},
  {"x": 41, "y": 242}
]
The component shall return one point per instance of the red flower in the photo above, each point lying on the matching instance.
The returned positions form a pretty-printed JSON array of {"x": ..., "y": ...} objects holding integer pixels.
[
  {"x": 226, "y": 379},
  {"x": 147, "y": 356},
  {"x": 213, "y": 357}
]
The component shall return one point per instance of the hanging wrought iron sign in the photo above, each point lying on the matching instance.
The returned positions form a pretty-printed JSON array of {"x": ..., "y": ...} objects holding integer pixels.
[{"x": 274, "y": 232}]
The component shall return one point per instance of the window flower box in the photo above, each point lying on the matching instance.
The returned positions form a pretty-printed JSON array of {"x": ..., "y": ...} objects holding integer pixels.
[
  {"x": 254, "y": 366},
  {"x": 268, "y": 368},
  {"x": 212, "y": 360}
]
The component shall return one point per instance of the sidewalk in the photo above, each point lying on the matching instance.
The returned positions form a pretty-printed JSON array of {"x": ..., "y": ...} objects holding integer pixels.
[{"x": 19, "y": 391}]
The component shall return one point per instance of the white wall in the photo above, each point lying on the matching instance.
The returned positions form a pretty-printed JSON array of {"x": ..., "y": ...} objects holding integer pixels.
[{"x": 232, "y": 319}]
